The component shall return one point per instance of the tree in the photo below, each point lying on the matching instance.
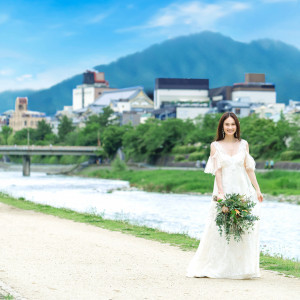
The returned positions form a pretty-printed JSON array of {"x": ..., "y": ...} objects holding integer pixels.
[
  {"x": 95, "y": 126},
  {"x": 88, "y": 136},
  {"x": 266, "y": 138},
  {"x": 21, "y": 137},
  {"x": 134, "y": 143},
  {"x": 64, "y": 128},
  {"x": 43, "y": 130},
  {"x": 5, "y": 133},
  {"x": 106, "y": 118},
  {"x": 112, "y": 139}
]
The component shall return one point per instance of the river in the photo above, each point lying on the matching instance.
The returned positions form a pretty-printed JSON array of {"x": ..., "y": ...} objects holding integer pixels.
[{"x": 183, "y": 213}]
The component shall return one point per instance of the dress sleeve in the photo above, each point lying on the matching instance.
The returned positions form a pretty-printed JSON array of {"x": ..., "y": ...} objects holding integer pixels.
[
  {"x": 213, "y": 164},
  {"x": 249, "y": 162}
]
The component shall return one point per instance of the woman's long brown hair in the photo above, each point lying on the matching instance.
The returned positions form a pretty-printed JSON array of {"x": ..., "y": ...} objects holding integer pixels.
[{"x": 219, "y": 135}]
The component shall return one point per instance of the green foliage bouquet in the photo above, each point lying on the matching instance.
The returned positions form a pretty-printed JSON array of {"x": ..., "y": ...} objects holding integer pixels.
[{"x": 234, "y": 216}]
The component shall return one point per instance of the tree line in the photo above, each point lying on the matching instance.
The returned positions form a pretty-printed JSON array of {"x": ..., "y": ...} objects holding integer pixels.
[{"x": 154, "y": 138}]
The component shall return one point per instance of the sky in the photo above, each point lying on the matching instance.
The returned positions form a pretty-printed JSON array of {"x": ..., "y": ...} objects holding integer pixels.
[{"x": 45, "y": 42}]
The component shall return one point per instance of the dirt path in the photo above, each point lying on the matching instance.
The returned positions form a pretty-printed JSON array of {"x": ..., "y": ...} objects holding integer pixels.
[{"x": 45, "y": 257}]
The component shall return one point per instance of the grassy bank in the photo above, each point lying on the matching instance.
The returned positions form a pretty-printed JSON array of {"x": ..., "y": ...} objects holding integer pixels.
[
  {"x": 273, "y": 182},
  {"x": 183, "y": 241}
]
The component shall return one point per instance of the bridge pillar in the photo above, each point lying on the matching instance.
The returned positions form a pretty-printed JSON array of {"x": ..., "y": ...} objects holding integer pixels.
[{"x": 26, "y": 165}]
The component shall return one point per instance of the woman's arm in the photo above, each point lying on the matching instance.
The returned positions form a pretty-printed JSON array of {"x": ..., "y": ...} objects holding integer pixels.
[
  {"x": 253, "y": 180},
  {"x": 218, "y": 175}
]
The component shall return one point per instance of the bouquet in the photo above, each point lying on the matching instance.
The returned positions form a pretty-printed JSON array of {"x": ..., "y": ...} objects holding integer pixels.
[{"x": 234, "y": 216}]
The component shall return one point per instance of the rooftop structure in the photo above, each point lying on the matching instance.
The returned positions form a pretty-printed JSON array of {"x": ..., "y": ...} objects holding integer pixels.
[{"x": 93, "y": 77}]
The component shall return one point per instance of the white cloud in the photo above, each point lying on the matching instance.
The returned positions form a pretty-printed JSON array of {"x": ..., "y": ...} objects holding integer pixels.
[
  {"x": 50, "y": 77},
  {"x": 6, "y": 72},
  {"x": 191, "y": 16},
  {"x": 24, "y": 77}
]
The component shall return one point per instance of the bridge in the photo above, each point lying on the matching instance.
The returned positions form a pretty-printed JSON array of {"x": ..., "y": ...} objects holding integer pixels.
[{"x": 27, "y": 151}]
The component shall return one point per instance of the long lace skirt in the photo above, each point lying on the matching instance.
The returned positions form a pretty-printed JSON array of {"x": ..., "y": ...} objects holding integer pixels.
[{"x": 216, "y": 258}]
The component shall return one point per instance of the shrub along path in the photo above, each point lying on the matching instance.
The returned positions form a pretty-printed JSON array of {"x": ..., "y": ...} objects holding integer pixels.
[{"x": 46, "y": 257}]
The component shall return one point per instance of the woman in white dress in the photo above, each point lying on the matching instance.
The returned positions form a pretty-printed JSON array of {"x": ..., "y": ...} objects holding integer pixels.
[{"x": 233, "y": 168}]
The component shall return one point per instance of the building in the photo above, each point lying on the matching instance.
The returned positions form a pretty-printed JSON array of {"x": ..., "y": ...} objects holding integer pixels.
[
  {"x": 253, "y": 90},
  {"x": 163, "y": 113},
  {"x": 220, "y": 93},
  {"x": 132, "y": 117},
  {"x": 94, "y": 84},
  {"x": 5, "y": 117},
  {"x": 293, "y": 107},
  {"x": 175, "y": 91},
  {"x": 271, "y": 111},
  {"x": 241, "y": 109},
  {"x": 128, "y": 103},
  {"x": 24, "y": 118},
  {"x": 190, "y": 112}
]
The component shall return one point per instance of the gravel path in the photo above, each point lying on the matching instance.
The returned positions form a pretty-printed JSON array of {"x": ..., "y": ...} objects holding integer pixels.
[{"x": 45, "y": 257}]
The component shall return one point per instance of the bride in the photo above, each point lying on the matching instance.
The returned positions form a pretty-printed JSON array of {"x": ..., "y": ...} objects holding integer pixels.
[{"x": 233, "y": 168}]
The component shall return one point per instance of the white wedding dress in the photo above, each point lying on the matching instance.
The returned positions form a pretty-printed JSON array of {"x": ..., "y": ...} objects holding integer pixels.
[{"x": 216, "y": 258}]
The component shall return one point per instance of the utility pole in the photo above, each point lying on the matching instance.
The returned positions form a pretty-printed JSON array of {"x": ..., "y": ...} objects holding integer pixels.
[
  {"x": 28, "y": 136},
  {"x": 98, "y": 142}
]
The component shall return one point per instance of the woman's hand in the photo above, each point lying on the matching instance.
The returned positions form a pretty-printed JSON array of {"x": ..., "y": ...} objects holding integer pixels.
[
  {"x": 259, "y": 196},
  {"x": 221, "y": 196}
]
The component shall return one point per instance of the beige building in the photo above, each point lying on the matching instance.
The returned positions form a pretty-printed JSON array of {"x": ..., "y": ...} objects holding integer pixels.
[
  {"x": 270, "y": 110},
  {"x": 24, "y": 118}
]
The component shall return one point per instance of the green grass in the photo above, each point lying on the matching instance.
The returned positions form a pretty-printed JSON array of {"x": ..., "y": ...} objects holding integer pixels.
[
  {"x": 183, "y": 241},
  {"x": 279, "y": 182},
  {"x": 7, "y": 297},
  {"x": 273, "y": 182},
  {"x": 176, "y": 181},
  {"x": 278, "y": 264}
]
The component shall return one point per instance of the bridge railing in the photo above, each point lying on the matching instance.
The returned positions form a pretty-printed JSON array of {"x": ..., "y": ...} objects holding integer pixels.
[{"x": 49, "y": 150}]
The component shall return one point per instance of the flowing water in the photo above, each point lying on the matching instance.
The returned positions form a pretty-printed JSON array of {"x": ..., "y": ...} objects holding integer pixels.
[{"x": 280, "y": 222}]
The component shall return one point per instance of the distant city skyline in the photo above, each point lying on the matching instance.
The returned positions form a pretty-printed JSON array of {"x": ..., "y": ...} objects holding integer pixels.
[{"x": 45, "y": 42}]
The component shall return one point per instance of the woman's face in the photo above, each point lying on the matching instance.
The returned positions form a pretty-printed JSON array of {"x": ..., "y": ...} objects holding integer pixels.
[{"x": 229, "y": 126}]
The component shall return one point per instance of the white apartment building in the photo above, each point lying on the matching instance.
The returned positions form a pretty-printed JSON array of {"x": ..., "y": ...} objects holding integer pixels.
[
  {"x": 254, "y": 90},
  {"x": 93, "y": 86},
  {"x": 185, "y": 113},
  {"x": 169, "y": 91}
]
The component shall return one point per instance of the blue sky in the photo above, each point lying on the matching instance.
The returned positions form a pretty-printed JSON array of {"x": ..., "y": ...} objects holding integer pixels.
[{"x": 44, "y": 42}]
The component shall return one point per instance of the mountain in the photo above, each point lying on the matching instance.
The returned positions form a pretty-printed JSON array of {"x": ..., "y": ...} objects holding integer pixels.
[
  {"x": 204, "y": 55},
  {"x": 7, "y": 98}
]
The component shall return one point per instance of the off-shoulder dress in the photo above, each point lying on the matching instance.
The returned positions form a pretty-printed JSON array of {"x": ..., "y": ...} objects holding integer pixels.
[{"x": 215, "y": 258}]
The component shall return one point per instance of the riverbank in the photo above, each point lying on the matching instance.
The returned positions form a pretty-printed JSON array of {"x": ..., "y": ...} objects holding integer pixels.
[
  {"x": 50, "y": 169},
  {"x": 279, "y": 185},
  {"x": 183, "y": 241},
  {"x": 46, "y": 255}
]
